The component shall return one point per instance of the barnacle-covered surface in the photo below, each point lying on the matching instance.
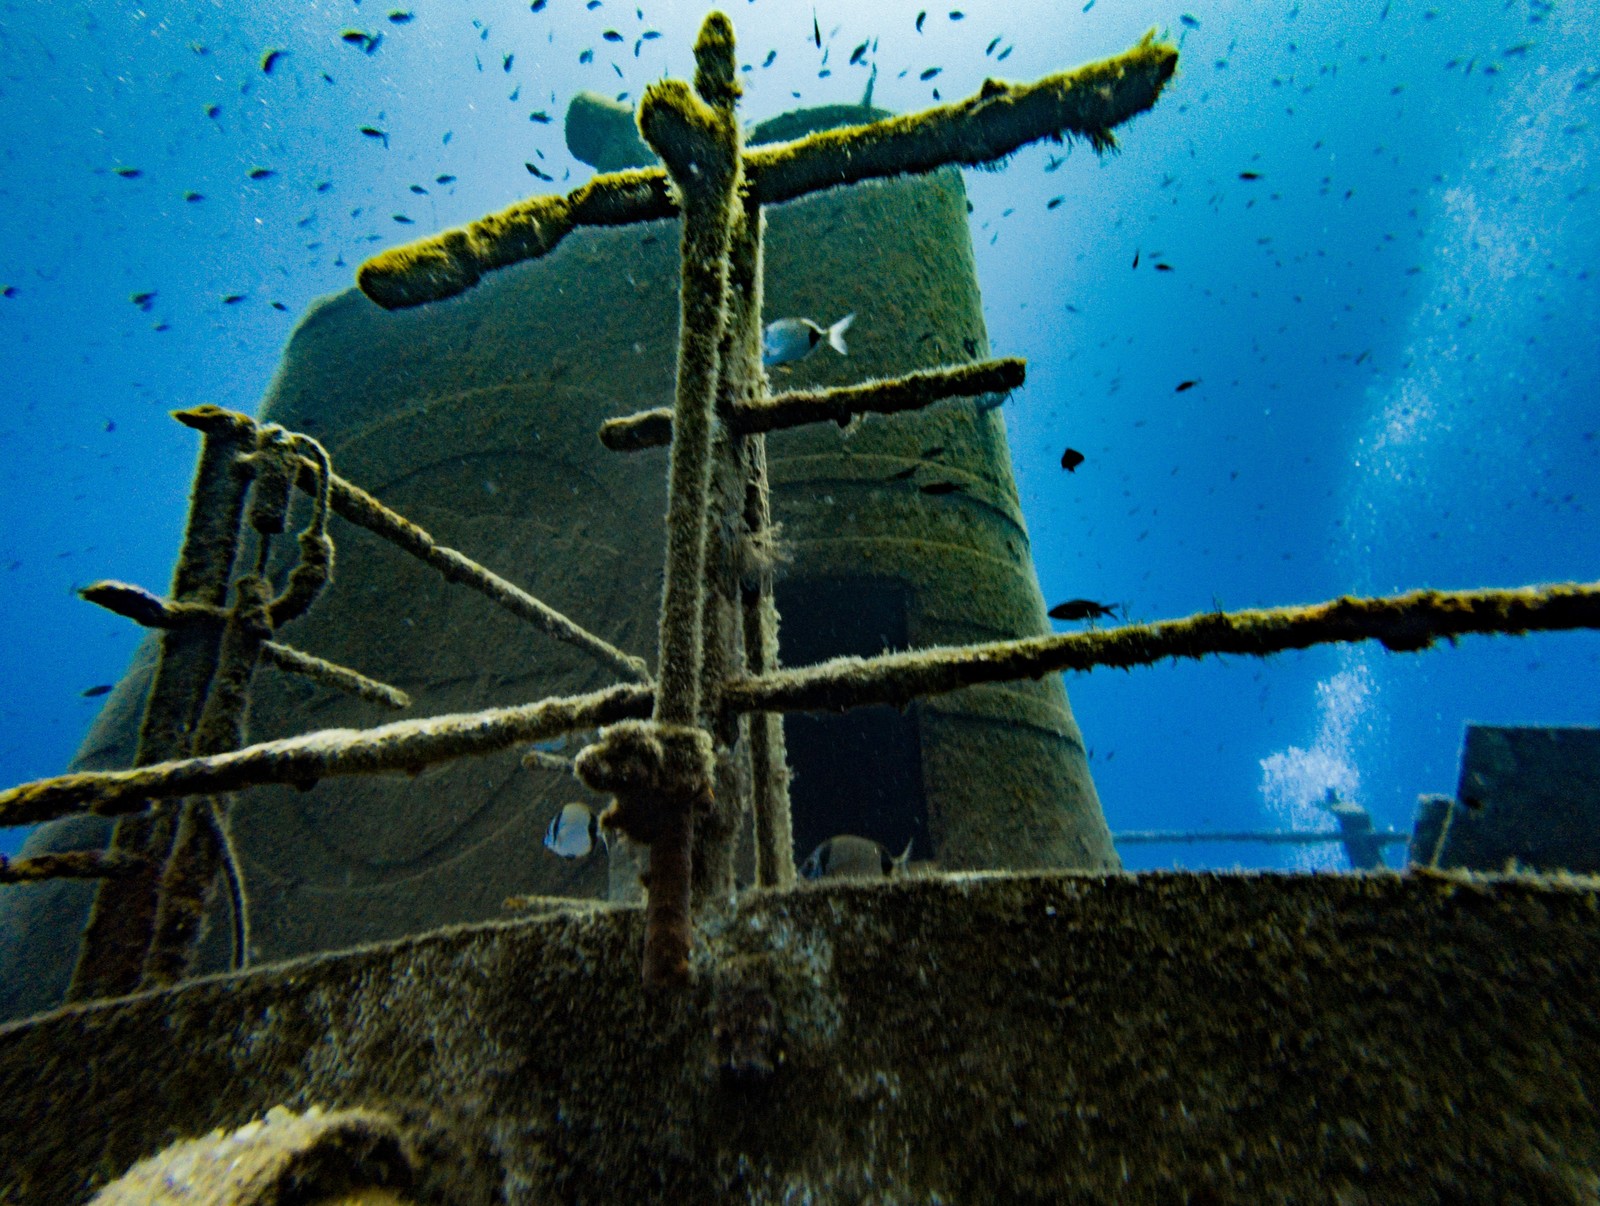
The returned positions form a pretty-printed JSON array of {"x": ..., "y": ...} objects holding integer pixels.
[
  {"x": 1041, "y": 1037},
  {"x": 346, "y": 1158}
]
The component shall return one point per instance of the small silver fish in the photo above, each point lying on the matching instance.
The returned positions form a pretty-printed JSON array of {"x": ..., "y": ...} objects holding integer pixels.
[
  {"x": 850, "y": 857},
  {"x": 791, "y": 339},
  {"x": 574, "y": 832}
]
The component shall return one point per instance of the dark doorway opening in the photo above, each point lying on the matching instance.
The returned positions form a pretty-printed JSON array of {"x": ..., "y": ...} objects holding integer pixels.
[{"x": 860, "y": 771}]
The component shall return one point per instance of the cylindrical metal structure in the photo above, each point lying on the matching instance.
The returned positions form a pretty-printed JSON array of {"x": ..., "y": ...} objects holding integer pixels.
[{"x": 477, "y": 419}]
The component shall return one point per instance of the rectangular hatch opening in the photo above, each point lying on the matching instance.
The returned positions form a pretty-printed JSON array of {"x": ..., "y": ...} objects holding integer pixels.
[{"x": 856, "y": 772}]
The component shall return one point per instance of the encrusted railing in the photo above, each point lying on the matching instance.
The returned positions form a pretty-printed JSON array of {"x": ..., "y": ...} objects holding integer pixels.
[{"x": 164, "y": 858}]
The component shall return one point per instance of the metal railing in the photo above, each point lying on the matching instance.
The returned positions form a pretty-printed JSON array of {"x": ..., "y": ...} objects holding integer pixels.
[{"x": 164, "y": 858}]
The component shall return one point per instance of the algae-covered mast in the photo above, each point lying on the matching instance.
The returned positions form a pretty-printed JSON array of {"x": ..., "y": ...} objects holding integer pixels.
[{"x": 671, "y": 774}]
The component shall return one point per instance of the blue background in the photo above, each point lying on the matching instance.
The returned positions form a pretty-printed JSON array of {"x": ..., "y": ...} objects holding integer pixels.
[{"x": 1394, "y": 328}]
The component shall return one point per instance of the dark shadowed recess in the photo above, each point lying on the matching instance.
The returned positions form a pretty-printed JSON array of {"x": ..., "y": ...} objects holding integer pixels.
[{"x": 860, "y": 771}]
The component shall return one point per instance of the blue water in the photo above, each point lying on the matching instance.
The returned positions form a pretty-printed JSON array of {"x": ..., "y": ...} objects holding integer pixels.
[{"x": 1394, "y": 329}]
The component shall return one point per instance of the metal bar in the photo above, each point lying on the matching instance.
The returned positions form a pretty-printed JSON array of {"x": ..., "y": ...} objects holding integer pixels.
[
  {"x": 1402, "y": 623},
  {"x": 1000, "y": 119},
  {"x": 356, "y": 506},
  {"x": 404, "y": 745},
  {"x": 1410, "y": 621},
  {"x": 122, "y": 920},
  {"x": 653, "y": 428},
  {"x": 1280, "y": 837},
  {"x": 698, "y": 138}
]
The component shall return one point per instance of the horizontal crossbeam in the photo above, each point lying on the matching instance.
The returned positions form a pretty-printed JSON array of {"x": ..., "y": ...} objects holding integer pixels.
[
  {"x": 152, "y": 611},
  {"x": 405, "y": 745},
  {"x": 1403, "y": 623},
  {"x": 653, "y": 428},
  {"x": 1086, "y": 102}
]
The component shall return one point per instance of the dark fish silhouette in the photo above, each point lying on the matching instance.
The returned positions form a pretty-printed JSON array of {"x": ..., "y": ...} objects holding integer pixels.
[
  {"x": 1186, "y": 385},
  {"x": 771, "y": 56},
  {"x": 403, "y": 220},
  {"x": 1053, "y": 202},
  {"x": 1189, "y": 20},
  {"x": 989, "y": 49},
  {"x": 400, "y": 18},
  {"x": 1136, "y": 259},
  {"x": 260, "y": 173},
  {"x": 98, "y": 689},
  {"x": 128, "y": 173},
  {"x": 921, "y": 17},
  {"x": 1163, "y": 267},
  {"x": 1071, "y": 459},
  {"x": 533, "y": 171},
  {"x": 536, "y": 6},
  {"x": 859, "y": 53},
  {"x": 374, "y": 132},
  {"x": 1249, "y": 175},
  {"x": 193, "y": 196},
  {"x": 816, "y": 30},
  {"x": 1082, "y": 609},
  {"x": 505, "y": 62},
  {"x": 586, "y": 57},
  {"x": 930, "y": 73},
  {"x": 540, "y": 116},
  {"x": 269, "y": 60}
]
